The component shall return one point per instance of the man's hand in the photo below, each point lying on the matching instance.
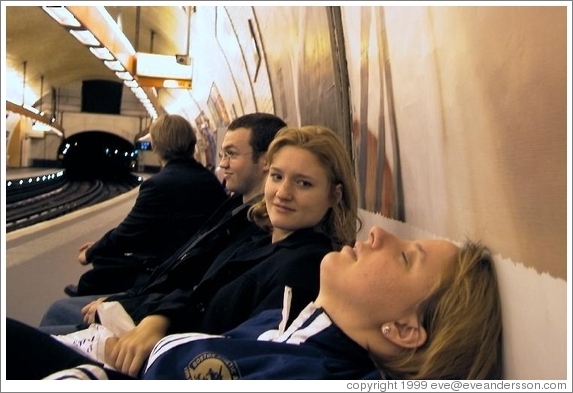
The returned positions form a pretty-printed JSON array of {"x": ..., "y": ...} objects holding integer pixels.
[
  {"x": 90, "y": 309},
  {"x": 131, "y": 351},
  {"x": 82, "y": 256}
]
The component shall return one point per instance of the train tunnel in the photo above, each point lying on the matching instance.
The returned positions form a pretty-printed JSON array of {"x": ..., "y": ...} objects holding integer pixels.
[{"x": 97, "y": 155}]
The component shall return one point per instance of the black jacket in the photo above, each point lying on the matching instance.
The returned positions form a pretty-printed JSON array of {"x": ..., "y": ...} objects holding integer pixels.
[
  {"x": 241, "y": 282},
  {"x": 170, "y": 207},
  {"x": 227, "y": 228}
]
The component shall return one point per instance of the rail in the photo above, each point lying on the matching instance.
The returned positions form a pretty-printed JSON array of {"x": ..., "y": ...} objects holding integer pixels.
[
  {"x": 71, "y": 196},
  {"x": 29, "y": 187}
]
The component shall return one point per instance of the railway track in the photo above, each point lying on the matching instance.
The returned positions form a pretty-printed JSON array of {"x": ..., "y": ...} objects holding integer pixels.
[{"x": 34, "y": 207}]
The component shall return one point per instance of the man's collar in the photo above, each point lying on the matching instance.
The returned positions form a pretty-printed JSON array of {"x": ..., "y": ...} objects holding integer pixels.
[{"x": 254, "y": 199}]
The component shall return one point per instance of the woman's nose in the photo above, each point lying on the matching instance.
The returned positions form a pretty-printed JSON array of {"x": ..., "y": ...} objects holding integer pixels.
[
  {"x": 284, "y": 190},
  {"x": 379, "y": 236}
]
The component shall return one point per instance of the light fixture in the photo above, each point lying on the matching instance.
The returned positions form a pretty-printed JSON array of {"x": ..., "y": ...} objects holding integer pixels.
[
  {"x": 86, "y": 24},
  {"x": 126, "y": 76},
  {"x": 39, "y": 126},
  {"x": 102, "y": 53},
  {"x": 114, "y": 65},
  {"x": 38, "y": 120},
  {"x": 139, "y": 93},
  {"x": 176, "y": 84},
  {"x": 31, "y": 109},
  {"x": 169, "y": 71},
  {"x": 62, "y": 16},
  {"x": 131, "y": 83},
  {"x": 85, "y": 37}
]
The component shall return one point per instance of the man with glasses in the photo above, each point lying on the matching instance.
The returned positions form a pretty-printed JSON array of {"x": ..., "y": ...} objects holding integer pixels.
[{"x": 244, "y": 170}]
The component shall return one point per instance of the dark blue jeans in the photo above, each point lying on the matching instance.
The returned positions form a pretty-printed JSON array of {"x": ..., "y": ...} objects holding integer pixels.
[{"x": 65, "y": 315}]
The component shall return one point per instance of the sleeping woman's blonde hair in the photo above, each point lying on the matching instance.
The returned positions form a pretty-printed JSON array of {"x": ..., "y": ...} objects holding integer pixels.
[
  {"x": 340, "y": 223},
  {"x": 462, "y": 319}
]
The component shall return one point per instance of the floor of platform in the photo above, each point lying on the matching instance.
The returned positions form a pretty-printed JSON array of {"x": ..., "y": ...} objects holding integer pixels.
[{"x": 42, "y": 259}]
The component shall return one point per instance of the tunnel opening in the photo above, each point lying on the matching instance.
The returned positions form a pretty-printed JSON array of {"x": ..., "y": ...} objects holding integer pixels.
[{"x": 97, "y": 155}]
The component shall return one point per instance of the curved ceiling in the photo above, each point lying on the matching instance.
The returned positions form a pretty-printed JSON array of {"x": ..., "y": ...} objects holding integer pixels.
[{"x": 34, "y": 41}]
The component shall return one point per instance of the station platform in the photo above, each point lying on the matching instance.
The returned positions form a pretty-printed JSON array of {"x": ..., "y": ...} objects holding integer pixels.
[{"x": 43, "y": 258}]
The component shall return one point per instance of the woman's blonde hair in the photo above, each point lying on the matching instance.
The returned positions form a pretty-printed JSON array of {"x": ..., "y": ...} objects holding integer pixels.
[
  {"x": 172, "y": 137},
  {"x": 340, "y": 223},
  {"x": 462, "y": 319}
]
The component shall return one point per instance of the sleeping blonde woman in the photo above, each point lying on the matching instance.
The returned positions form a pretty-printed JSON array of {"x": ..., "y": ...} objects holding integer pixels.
[{"x": 387, "y": 308}]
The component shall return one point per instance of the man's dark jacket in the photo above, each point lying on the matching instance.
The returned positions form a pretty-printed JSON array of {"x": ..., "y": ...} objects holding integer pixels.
[
  {"x": 227, "y": 228},
  {"x": 170, "y": 207}
]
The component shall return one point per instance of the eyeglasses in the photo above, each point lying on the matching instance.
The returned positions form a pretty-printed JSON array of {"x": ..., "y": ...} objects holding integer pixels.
[{"x": 231, "y": 155}]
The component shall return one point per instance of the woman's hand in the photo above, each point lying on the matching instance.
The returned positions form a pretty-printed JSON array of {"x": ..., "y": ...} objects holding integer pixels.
[
  {"x": 131, "y": 351},
  {"x": 89, "y": 311}
]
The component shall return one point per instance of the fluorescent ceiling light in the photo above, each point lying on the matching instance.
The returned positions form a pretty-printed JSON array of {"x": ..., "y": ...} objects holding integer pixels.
[
  {"x": 131, "y": 83},
  {"x": 114, "y": 65},
  {"x": 139, "y": 93},
  {"x": 85, "y": 37},
  {"x": 102, "y": 53},
  {"x": 31, "y": 108},
  {"x": 126, "y": 76},
  {"x": 39, "y": 126},
  {"x": 62, "y": 16}
]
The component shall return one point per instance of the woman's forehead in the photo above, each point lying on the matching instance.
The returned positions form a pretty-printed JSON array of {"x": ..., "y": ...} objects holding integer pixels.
[{"x": 442, "y": 253}]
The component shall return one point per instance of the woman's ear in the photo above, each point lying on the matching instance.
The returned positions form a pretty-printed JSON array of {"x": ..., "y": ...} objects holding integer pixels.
[
  {"x": 337, "y": 194},
  {"x": 407, "y": 334}
]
